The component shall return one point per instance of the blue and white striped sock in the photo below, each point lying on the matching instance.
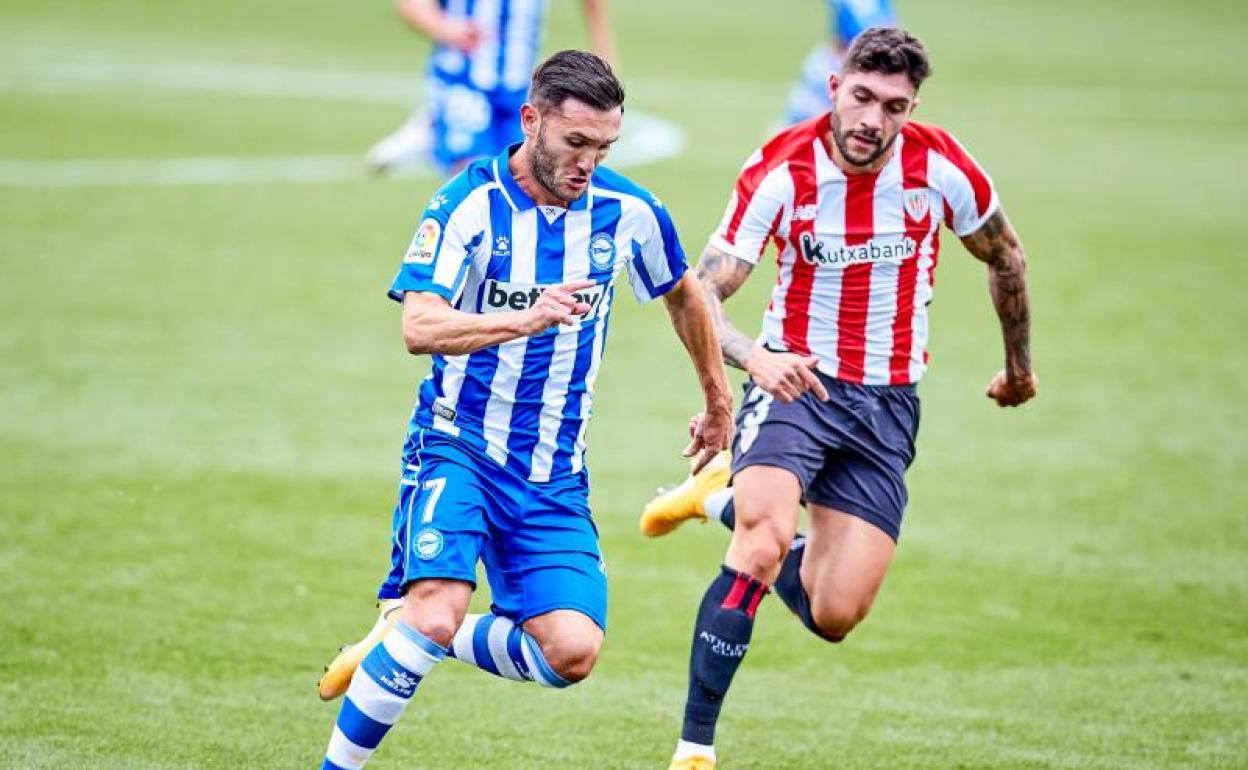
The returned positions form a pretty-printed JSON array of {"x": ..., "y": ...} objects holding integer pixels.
[
  {"x": 500, "y": 647},
  {"x": 379, "y": 692}
]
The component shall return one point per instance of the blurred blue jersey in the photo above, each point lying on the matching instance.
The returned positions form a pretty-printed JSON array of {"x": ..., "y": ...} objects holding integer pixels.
[
  {"x": 512, "y": 33},
  {"x": 849, "y": 19},
  {"x": 852, "y": 17},
  {"x": 486, "y": 247}
]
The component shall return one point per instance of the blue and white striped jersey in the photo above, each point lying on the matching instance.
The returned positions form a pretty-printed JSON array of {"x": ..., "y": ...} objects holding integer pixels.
[
  {"x": 853, "y": 17},
  {"x": 505, "y": 58},
  {"x": 486, "y": 247}
]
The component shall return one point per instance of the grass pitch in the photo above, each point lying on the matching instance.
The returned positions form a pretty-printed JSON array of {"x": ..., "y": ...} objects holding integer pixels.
[{"x": 203, "y": 392}]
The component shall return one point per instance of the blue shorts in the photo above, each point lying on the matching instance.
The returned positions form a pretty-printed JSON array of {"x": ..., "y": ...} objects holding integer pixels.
[
  {"x": 537, "y": 541},
  {"x": 849, "y": 452},
  {"x": 469, "y": 123}
]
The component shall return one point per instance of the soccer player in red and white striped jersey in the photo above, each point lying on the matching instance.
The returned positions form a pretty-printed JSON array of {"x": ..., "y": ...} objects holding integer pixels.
[{"x": 853, "y": 202}]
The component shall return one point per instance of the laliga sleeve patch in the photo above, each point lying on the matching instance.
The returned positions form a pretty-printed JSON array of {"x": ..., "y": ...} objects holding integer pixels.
[{"x": 424, "y": 243}]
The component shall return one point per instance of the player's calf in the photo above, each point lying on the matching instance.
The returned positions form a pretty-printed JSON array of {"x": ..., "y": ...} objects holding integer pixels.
[
  {"x": 836, "y": 616},
  {"x": 570, "y": 642},
  {"x": 559, "y": 652}
]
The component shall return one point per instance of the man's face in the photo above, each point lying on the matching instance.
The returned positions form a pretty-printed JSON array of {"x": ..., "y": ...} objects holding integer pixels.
[
  {"x": 568, "y": 143},
  {"x": 868, "y": 111}
]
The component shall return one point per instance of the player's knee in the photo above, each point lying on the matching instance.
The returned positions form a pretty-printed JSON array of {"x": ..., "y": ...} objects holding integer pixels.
[
  {"x": 432, "y": 612},
  {"x": 763, "y": 547},
  {"x": 573, "y": 659},
  {"x": 837, "y": 616}
]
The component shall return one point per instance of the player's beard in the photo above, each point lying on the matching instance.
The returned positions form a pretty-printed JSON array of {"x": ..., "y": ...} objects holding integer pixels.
[
  {"x": 840, "y": 137},
  {"x": 546, "y": 169}
]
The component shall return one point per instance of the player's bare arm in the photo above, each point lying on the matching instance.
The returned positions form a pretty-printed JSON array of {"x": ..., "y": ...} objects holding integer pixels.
[
  {"x": 784, "y": 375},
  {"x": 427, "y": 17},
  {"x": 431, "y": 325},
  {"x": 601, "y": 40},
  {"x": 996, "y": 244},
  {"x": 691, "y": 318}
]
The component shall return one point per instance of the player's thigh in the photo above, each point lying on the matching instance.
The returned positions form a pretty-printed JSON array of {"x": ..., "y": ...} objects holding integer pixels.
[
  {"x": 546, "y": 556},
  {"x": 445, "y": 512},
  {"x": 845, "y": 560},
  {"x": 778, "y": 450},
  {"x": 765, "y": 499}
]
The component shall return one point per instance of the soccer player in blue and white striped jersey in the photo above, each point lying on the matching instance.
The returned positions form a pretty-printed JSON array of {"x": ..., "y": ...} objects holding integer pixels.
[
  {"x": 478, "y": 76},
  {"x": 509, "y": 284}
]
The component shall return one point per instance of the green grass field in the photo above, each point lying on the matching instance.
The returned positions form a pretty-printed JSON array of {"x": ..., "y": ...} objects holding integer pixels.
[{"x": 203, "y": 393}]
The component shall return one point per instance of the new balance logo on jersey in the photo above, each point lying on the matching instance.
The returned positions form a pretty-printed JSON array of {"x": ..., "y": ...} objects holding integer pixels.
[
  {"x": 805, "y": 213},
  {"x": 819, "y": 253},
  {"x": 503, "y": 296}
]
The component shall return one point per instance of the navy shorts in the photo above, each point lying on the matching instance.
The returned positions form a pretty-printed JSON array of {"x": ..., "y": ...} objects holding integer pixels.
[
  {"x": 537, "y": 542},
  {"x": 849, "y": 452}
]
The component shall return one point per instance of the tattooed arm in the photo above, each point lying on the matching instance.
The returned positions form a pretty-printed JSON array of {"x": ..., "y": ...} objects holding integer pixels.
[
  {"x": 784, "y": 375},
  {"x": 997, "y": 245}
]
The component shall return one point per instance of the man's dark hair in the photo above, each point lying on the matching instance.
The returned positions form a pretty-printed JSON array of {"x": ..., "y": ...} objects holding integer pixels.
[
  {"x": 575, "y": 75},
  {"x": 888, "y": 50}
]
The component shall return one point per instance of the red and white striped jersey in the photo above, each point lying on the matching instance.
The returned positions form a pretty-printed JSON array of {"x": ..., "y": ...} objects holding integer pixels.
[{"x": 857, "y": 252}]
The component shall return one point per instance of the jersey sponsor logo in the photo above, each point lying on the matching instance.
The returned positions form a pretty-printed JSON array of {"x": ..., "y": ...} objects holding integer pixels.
[
  {"x": 424, "y": 243},
  {"x": 442, "y": 410},
  {"x": 917, "y": 202},
  {"x": 602, "y": 251},
  {"x": 818, "y": 252},
  {"x": 502, "y": 246},
  {"x": 723, "y": 647},
  {"x": 504, "y": 296},
  {"x": 428, "y": 543}
]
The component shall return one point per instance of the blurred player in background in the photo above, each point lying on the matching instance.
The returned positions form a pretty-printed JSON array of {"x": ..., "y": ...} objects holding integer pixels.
[
  {"x": 809, "y": 96},
  {"x": 508, "y": 286},
  {"x": 853, "y": 200},
  {"x": 478, "y": 76}
]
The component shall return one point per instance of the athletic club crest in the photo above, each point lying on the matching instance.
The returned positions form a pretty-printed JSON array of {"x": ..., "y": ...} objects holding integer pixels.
[{"x": 917, "y": 203}]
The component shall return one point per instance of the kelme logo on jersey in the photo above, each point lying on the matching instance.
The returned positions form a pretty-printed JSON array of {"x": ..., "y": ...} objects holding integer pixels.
[
  {"x": 428, "y": 543},
  {"x": 424, "y": 243},
  {"x": 817, "y": 252},
  {"x": 602, "y": 251},
  {"x": 504, "y": 297}
]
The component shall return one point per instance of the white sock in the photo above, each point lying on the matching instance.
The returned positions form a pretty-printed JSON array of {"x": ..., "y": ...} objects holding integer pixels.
[
  {"x": 716, "y": 502},
  {"x": 686, "y": 749}
]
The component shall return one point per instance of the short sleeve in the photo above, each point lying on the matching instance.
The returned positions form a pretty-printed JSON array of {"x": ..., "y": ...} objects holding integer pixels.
[
  {"x": 754, "y": 211},
  {"x": 441, "y": 251},
  {"x": 658, "y": 259},
  {"x": 970, "y": 197}
]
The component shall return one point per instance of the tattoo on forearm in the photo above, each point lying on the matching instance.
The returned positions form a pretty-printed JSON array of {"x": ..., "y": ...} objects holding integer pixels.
[
  {"x": 997, "y": 245},
  {"x": 721, "y": 275}
]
